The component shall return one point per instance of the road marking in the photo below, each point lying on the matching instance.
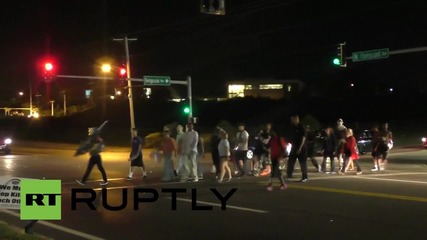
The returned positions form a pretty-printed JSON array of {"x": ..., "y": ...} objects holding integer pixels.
[
  {"x": 359, "y": 193},
  {"x": 393, "y": 180},
  {"x": 57, "y": 227},
  {"x": 219, "y": 205}
]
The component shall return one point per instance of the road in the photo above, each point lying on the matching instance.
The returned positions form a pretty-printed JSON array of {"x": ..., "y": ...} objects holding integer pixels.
[{"x": 387, "y": 205}]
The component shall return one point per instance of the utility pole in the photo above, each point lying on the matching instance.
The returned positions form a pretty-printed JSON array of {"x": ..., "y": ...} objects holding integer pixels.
[
  {"x": 51, "y": 108},
  {"x": 31, "y": 100},
  {"x": 65, "y": 103},
  {"x": 130, "y": 95}
]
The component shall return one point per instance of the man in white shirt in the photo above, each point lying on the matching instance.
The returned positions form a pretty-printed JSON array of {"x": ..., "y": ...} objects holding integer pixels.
[
  {"x": 189, "y": 152},
  {"x": 241, "y": 148}
]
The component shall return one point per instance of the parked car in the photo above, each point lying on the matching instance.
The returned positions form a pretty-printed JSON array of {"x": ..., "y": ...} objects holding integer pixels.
[
  {"x": 364, "y": 141},
  {"x": 5, "y": 143}
]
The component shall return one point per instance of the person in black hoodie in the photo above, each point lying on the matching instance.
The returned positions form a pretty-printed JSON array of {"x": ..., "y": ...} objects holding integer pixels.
[{"x": 329, "y": 147}]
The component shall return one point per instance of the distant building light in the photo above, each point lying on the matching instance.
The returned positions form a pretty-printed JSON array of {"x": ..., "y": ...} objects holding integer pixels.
[
  {"x": 248, "y": 87},
  {"x": 235, "y": 90},
  {"x": 176, "y": 99},
  {"x": 391, "y": 89},
  {"x": 352, "y": 85},
  {"x": 112, "y": 97},
  {"x": 289, "y": 88},
  {"x": 270, "y": 86}
]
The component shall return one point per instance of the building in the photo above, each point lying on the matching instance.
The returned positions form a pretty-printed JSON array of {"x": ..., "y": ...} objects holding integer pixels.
[{"x": 268, "y": 88}]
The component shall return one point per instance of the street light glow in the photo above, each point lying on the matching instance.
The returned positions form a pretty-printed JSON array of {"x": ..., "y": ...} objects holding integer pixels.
[
  {"x": 106, "y": 68},
  {"x": 21, "y": 93}
]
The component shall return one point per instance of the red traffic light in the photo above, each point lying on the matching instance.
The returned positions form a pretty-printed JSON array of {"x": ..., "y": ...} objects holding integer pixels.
[
  {"x": 122, "y": 72},
  {"x": 48, "y": 66}
]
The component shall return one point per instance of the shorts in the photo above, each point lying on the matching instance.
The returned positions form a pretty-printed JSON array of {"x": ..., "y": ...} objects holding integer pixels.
[
  {"x": 137, "y": 162},
  {"x": 240, "y": 155}
]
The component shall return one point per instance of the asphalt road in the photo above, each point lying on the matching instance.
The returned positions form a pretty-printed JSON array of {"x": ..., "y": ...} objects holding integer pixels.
[{"x": 386, "y": 205}]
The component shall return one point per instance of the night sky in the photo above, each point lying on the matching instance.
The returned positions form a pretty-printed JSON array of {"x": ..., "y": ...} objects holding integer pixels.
[{"x": 282, "y": 39}]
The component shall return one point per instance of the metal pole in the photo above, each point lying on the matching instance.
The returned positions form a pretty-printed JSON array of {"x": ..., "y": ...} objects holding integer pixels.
[
  {"x": 51, "y": 108},
  {"x": 130, "y": 95},
  {"x": 65, "y": 104},
  {"x": 190, "y": 98},
  {"x": 31, "y": 101}
]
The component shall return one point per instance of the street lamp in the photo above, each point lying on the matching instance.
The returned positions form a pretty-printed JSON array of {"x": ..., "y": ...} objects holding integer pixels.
[
  {"x": 106, "y": 68},
  {"x": 21, "y": 93}
]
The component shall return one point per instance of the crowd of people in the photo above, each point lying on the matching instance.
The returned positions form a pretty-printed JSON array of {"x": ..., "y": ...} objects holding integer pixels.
[{"x": 182, "y": 154}]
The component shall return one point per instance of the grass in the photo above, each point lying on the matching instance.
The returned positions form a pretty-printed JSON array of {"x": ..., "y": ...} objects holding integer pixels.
[{"x": 8, "y": 232}]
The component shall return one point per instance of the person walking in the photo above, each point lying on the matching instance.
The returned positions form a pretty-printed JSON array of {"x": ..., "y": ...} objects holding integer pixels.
[
  {"x": 214, "y": 141},
  {"x": 135, "y": 156},
  {"x": 276, "y": 147},
  {"x": 242, "y": 138},
  {"x": 180, "y": 143},
  {"x": 168, "y": 149},
  {"x": 329, "y": 147},
  {"x": 200, "y": 157},
  {"x": 189, "y": 152},
  {"x": 96, "y": 147},
  {"x": 299, "y": 149},
  {"x": 350, "y": 153},
  {"x": 340, "y": 136},
  {"x": 224, "y": 153}
]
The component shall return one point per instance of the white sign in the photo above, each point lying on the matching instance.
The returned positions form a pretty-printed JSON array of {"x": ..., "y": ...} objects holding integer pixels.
[{"x": 10, "y": 192}]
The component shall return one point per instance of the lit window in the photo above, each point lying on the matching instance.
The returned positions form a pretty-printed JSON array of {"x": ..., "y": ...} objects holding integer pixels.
[
  {"x": 248, "y": 87},
  {"x": 289, "y": 88},
  {"x": 271, "y": 86},
  {"x": 236, "y": 91}
]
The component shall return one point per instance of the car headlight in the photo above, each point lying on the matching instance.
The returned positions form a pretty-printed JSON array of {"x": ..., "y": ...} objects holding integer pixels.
[
  {"x": 423, "y": 139},
  {"x": 7, "y": 141}
]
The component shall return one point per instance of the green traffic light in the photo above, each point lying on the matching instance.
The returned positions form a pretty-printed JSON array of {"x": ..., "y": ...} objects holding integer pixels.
[
  {"x": 186, "y": 110},
  {"x": 336, "y": 61}
]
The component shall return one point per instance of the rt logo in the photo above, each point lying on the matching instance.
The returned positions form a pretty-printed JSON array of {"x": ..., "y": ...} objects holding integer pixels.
[{"x": 40, "y": 199}]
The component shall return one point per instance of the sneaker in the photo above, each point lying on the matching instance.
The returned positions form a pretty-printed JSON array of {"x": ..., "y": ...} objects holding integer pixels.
[
  {"x": 283, "y": 187},
  {"x": 195, "y": 180},
  {"x": 213, "y": 169},
  {"x": 144, "y": 177},
  {"x": 128, "y": 178},
  {"x": 374, "y": 169},
  {"x": 229, "y": 179},
  {"x": 358, "y": 173},
  {"x": 220, "y": 181},
  {"x": 333, "y": 172},
  {"x": 80, "y": 182},
  {"x": 103, "y": 183},
  {"x": 201, "y": 178},
  {"x": 270, "y": 188},
  {"x": 236, "y": 172},
  {"x": 303, "y": 180},
  {"x": 382, "y": 168}
]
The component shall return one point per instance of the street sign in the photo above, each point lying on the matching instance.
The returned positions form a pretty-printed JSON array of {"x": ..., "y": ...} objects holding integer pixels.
[
  {"x": 157, "y": 80},
  {"x": 370, "y": 55}
]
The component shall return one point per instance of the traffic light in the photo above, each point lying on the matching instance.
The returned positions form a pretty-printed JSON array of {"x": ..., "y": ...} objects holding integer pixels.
[
  {"x": 48, "y": 72},
  {"x": 340, "y": 59},
  {"x": 215, "y": 7},
  {"x": 186, "y": 110},
  {"x": 122, "y": 74}
]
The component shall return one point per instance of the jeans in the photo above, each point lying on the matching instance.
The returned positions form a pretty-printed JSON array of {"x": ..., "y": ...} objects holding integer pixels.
[
  {"x": 199, "y": 165},
  {"x": 168, "y": 173},
  {"x": 95, "y": 160},
  {"x": 332, "y": 157},
  {"x": 302, "y": 158}
]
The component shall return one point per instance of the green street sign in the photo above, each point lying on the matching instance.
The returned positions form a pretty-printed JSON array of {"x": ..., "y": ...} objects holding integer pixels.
[
  {"x": 157, "y": 80},
  {"x": 370, "y": 55}
]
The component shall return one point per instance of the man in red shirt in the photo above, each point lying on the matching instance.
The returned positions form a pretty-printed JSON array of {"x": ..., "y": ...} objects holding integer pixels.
[{"x": 276, "y": 146}]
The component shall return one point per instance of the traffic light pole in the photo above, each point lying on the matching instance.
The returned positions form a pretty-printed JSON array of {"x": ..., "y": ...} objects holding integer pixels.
[{"x": 130, "y": 95}]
